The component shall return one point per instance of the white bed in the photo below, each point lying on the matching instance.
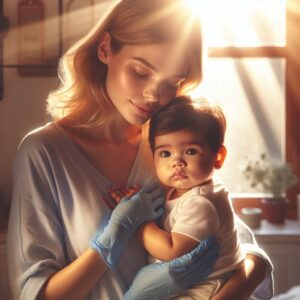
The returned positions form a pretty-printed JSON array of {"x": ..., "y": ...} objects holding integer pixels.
[{"x": 291, "y": 294}]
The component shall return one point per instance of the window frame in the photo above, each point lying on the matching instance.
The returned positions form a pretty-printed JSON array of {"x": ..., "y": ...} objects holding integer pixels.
[{"x": 292, "y": 96}]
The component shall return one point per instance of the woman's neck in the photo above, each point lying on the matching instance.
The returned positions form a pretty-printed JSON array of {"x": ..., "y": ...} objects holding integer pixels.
[{"x": 118, "y": 131}]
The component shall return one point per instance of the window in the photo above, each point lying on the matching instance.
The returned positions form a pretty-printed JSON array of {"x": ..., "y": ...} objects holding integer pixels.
[{"x": 252, "y": 70}]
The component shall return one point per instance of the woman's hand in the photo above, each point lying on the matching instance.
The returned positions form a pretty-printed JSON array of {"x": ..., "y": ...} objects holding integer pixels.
[
  {"x": 244, "y": 281},
  {"x": 165, "y": 279},
  {"x": 130, "y": 213}
]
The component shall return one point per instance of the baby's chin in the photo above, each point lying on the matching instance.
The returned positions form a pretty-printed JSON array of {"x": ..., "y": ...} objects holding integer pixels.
[{"x": 181, "y": 185}]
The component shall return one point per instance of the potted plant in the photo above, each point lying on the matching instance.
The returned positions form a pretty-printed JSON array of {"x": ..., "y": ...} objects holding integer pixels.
[{"x": 273, "y": 179}]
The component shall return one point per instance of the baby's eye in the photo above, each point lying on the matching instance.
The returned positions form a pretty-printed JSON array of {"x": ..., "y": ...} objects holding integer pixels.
[
  {"x": 191, "y": 151},
  {"x": 164, "y": 153}
]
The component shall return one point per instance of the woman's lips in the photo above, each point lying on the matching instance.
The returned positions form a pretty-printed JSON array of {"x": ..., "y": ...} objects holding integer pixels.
[{"x": 142, "y": 111}]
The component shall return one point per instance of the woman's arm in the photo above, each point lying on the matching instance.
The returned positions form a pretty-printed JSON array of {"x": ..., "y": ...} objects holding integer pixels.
[
  {"x": 255, "y": 276},
  {"x": 244, "y": 281},
  {"x": 76, "y": 280},
  {"x": 164, "y": 245},
  {"x": 39, "y": 267},
  {"x": 166, "y": 279}
]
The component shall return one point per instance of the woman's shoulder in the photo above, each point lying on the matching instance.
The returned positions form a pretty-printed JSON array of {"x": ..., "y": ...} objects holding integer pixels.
[{"x": 39, "y": 139}]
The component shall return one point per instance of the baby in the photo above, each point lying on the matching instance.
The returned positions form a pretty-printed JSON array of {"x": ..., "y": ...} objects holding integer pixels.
[{"x": 186, "y": 139}]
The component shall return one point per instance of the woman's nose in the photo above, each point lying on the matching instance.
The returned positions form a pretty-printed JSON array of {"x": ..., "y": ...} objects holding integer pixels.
[{"x": 150, "y": 93}]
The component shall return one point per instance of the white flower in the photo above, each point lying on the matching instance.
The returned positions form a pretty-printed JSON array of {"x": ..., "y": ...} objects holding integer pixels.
[{"x": 268, "y": 176}]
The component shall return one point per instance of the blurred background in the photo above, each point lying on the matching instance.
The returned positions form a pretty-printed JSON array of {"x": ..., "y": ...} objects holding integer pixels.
[{"x": 252, "y": 69}]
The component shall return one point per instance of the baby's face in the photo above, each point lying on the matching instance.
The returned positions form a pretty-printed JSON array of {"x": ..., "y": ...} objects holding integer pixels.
[{"x": 183, "y": 160}]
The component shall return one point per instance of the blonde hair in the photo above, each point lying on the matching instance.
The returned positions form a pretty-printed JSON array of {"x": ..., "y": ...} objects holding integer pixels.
[{"x": 82, "y": 95}]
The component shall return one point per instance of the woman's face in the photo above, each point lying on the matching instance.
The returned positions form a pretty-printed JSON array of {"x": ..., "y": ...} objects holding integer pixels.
[{"x": 141, "y": 79}]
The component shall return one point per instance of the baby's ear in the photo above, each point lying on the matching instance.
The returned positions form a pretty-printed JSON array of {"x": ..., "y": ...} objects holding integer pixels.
[
  {"x": 104, "y": 48},
  {"x": 220, "y": 157}
]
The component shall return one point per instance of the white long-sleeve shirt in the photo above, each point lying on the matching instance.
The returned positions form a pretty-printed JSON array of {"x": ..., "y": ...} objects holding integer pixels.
[{"x": 58, "y": 206}]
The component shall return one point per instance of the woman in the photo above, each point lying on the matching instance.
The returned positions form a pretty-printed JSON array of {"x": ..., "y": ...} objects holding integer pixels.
[{"x": 60, "y": 243}]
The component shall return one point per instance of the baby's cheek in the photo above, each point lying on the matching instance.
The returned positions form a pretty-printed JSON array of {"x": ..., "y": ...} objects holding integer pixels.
[
  {"x": 205, "y": 167},
  {"x": 161, "y": 173}
]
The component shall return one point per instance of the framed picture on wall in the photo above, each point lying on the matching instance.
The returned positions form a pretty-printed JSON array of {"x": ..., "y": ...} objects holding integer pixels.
[{"x": 38, "y": 37}]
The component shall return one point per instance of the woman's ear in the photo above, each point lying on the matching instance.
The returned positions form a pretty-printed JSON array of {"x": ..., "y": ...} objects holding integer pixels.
[
  {"x": 104, "y": 48},
  {"x": 221, "y": 155}
]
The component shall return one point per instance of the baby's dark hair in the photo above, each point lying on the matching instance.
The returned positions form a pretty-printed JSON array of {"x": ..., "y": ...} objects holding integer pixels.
[{"x": 199, "y": 116}]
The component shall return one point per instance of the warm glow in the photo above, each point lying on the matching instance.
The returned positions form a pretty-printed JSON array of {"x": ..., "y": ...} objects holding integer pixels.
[
  {"x": 194, "y": 5},
  {"x": 250, "y": 89},
  {"x": 240, "y": 23},
  {"x": 243, "y": 23},
  {"x": 82, "y": 18}
]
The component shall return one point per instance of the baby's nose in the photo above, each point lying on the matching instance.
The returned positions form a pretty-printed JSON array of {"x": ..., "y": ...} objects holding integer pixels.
[{"x": 178, "y": 162}]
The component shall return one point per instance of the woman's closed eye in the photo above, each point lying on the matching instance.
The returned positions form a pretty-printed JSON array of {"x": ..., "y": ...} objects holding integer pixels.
[{"x": 141, "y": 74}]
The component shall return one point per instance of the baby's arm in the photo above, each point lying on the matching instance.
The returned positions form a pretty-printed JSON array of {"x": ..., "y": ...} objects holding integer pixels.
[
  {"x": 195, "y": 219},
  {"x": 164, "y": 245},
  {"x": 159, "y": 243}
]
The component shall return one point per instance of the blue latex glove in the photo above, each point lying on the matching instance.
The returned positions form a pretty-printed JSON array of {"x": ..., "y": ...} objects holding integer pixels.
[
  {"x": 165, "y": 279},
  {"x": 129, "y": 214}
]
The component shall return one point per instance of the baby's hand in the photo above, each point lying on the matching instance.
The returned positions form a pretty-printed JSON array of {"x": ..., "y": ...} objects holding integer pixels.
[{"x": 117, "y": 193}]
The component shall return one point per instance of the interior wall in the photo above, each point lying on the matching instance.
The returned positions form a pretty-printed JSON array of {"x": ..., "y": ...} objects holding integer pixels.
[
  {"x": 23, "y": 105},
  {"x": 22, "y": 109}
]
